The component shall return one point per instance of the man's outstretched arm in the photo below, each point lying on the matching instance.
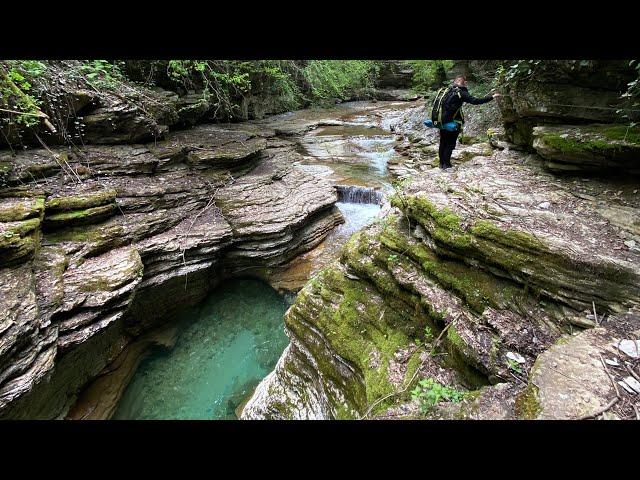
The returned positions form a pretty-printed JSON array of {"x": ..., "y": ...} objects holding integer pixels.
[{"x": 468, "y": 98}]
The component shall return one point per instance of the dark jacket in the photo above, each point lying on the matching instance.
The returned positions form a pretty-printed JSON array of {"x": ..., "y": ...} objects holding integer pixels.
[{"x": 452, "y": 108}]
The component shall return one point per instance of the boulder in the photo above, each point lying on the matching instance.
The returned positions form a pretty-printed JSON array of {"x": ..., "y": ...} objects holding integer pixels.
[
  {"x": 593, "y": 147},
  {"x": 569, "y": 381}
]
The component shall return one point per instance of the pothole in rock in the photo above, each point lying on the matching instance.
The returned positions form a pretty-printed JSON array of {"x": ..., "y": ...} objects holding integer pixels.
[{"x": 226, "y": 346}]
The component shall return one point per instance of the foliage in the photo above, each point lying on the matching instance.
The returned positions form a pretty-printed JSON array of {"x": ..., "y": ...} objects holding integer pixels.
[
  {"x": 32, "y": 90},
  {"x": 633, "y": 87},
  {"x": 226, "y": 84},
  {"x": 338, "y": 78},
  {"x": 100, "y": 73},
  {"x": 517, "y": 71},
  {"x": 428, "y": 333},
  {"x": 520, "y": 71},
  {"x": 228, "y": 89},
  {"x": 429, "y": 73},
  {"x": 16, "y": 84},
  {"x": 429, "y": 393},
  {"x": 514, "y": 365},
  {"x": 633, "y": 91}
]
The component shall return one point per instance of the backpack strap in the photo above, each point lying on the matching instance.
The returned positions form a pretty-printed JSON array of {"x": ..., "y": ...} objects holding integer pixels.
[
  {"x": 445, "y": 91},
  {"x": 457, "y": 91}
]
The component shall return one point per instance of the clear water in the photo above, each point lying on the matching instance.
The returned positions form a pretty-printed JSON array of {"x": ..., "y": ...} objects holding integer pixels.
[
  {"x": 350, "y": 153},
  {"x": 357, "y": 216},
  {"x": 227, "y": 345}
]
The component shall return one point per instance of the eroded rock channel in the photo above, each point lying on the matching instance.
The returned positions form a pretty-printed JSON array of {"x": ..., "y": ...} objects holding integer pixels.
[
  {"x": 167, "y": 267},
  {"x": 149, "y": 230}
]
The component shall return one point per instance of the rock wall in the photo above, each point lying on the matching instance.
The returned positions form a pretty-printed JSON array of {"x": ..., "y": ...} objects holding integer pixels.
[
  {"x": 101, "y": 243},
  {"x": 574, "y": 115}
]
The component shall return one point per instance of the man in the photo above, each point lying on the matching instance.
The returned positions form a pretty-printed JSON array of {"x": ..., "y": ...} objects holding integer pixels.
[{"x": 452, "y": 112}]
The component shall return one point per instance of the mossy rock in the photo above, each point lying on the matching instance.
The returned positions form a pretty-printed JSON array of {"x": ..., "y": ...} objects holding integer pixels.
[
  {"x": 519, "y": 255},
  {"x": 18, "y": 240},
  {"x": 589, "y": 147},
  {"x": 81, "y": 202},
  {"x": 17, "y": 209},
  {"x": 360, "y": 328},
  {"x": 79, "y": 217}
]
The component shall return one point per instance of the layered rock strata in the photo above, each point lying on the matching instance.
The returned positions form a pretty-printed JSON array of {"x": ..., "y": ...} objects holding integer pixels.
[{"x": 99, "y": 244}]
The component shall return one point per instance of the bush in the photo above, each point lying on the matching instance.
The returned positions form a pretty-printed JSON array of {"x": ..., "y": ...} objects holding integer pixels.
[
  {"x": 17, "y": 78},
  {"x": 338, "y": 78},
  {"x": 429, "y": 74}
]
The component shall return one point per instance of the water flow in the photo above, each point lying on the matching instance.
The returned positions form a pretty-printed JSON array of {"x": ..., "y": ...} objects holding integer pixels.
[
  {"x": 355, "y": 194},
  {"x": 357, "y": 216},
  {"x": 227, "y": 345},
  {"x": 350, "y": 153}
]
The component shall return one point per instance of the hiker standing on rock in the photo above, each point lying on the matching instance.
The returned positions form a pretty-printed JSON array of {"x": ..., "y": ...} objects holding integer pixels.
[{"x": 448, "y": 117}]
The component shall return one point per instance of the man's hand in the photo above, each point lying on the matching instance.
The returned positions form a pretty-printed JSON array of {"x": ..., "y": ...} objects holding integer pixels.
[{"x": 496, "y": 95}]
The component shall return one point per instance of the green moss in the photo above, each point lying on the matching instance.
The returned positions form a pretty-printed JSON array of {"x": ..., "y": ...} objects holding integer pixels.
[
  {"x": 360, "y": 328},
  {"x": 20, "y": 229},
  {"x": 622, "y": 133},
  {"x": 442, "y": 224},
  {"x": 527, "y": 406},
  {"x": 598, "y": 139},
  {"x": 508, "y": 238},
  {"x": 81, "y": 202},
  {"x": 22, "y": 209},
  {"x": 469, "y": 406},
  {"x": 344, "y": 412},
  {"x": 412, "y": 366},
  {"x": 570, "y": 146},
  {"x": 477, "y": 288},
  {"x": 18, "y": 239},
  {"x": 454, "y": 339},
  {"x": 563, "y": 339},
  {"x": 79, "y": 217},
  {"x": 76, "y": 234}
]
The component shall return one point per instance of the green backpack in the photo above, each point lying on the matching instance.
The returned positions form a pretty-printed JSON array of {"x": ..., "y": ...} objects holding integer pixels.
[{"x": 442, "y": 97}]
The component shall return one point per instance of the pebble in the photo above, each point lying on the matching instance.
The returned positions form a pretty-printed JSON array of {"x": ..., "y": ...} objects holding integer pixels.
[
  {"x": 633, "y": 384},
  {"x": 630, "y": 243},
  {"x": 630, "y": 347},
  {"x": 544, "y": 205},
  {"x": 516, "y": 357}
]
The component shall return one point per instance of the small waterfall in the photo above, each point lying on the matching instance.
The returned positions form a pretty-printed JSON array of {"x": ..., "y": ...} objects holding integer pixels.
[{"x": 355, "y": 194}]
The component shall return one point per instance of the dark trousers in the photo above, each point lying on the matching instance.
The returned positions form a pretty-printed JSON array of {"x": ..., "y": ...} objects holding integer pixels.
[{"x": 447, "y": 144}]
